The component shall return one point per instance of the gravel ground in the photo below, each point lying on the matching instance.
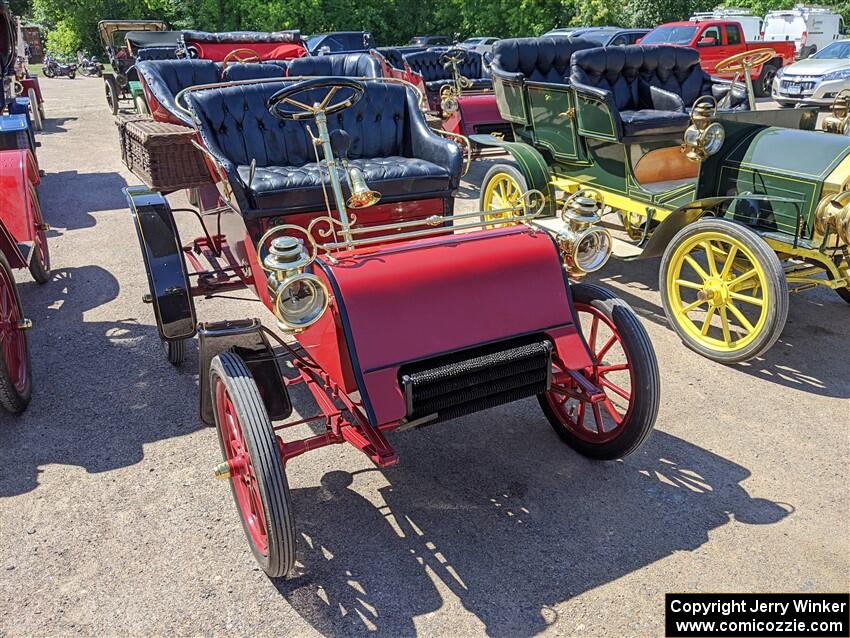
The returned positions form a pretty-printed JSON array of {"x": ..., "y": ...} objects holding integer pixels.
[{"x": 112, "y": 524}]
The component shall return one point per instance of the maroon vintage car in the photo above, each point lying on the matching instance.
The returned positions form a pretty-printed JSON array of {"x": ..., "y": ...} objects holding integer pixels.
[{"x": 394, "y": 313}]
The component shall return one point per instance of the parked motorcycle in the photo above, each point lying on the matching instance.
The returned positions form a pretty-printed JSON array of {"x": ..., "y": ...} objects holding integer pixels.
[
  {"x": 89, "y": 67},
  {"x": 53, "y": 68}
]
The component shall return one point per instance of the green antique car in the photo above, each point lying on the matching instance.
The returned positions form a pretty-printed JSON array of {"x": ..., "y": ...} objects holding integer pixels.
[{"x": 642, "y": 154}]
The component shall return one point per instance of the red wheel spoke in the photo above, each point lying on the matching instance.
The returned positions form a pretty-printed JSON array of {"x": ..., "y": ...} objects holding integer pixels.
[
  {"x": 593, "y": 328},
  {"x": 597, "y": 415},
  {"x": 615, "y": 388},
  {"x": 612, "y": 410},
  {"x": 581, "y": 411},
  {"x": 614, "y": 339},
  {"x": 616, "y": 367}
]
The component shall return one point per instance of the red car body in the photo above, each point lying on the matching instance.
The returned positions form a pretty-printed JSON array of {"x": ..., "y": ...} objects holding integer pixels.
[{"x": 20, "y": 214}]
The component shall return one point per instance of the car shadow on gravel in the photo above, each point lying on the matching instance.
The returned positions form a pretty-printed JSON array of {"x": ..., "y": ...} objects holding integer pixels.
[
  {"x": 68, "y": 197},
  {"x": 99, "y": 386},
  {"x": 511, "y": 526},
  {"x": 811, "y": 351},
  {"x": 56, "y": 125}
]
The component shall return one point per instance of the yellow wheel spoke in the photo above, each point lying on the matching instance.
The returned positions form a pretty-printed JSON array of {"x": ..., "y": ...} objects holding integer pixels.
[
  {"x": 741, "y": 317},
  {"x": 747, "y": 299},
  {"x": 692, "y": 306},
  {"x": 742, "y": 278},
  {"x": 712, "y": 260},
  {"x": 684, "y": 283},
  {"x": 730, "y": 261},
  {"x": 706, "y": 325},
  {"x": 696, "y": 267},
  {"x": 724, "y": 320}
]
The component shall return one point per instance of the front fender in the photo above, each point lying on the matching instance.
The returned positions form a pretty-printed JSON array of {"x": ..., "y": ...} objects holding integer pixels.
[
  {"x": 530, "y": 163},
  {"x": 688, "y": 214},
  {"x": 162, "y": 253}
]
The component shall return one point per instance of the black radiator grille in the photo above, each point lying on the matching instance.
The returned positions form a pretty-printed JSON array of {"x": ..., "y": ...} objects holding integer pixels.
[{"x": 474, "y": 380}]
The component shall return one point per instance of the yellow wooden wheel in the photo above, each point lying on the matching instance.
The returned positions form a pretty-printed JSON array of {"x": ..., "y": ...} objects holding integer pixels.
[
  {"x": 723, "y": 290},
  {"x": 502, "y": 188}
]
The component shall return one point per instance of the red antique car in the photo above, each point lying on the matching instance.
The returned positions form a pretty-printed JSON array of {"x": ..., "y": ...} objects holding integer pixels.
[
  {"x": 394, "y": 313},
  {"x": 458, "y": 87},
  {"x": 23, "y": 242}
]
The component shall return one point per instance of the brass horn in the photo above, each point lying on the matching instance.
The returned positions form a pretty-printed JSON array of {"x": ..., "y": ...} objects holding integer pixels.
[{"x": 361, "y": 195}]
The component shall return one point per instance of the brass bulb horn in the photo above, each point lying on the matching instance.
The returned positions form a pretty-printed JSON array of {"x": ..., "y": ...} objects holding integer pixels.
[{"x": 361, "y": 195}]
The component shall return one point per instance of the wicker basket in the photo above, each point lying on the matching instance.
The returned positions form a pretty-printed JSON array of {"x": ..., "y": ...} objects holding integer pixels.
[{"x": 161, "y": 154}]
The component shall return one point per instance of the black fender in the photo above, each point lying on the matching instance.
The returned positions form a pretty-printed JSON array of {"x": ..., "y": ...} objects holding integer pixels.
[
  {"x": 689, "y": 213},
  {"x": 530, "y": 163},
  {"x": 247, "y": 339},
  {"x": 162, "y": 253}
]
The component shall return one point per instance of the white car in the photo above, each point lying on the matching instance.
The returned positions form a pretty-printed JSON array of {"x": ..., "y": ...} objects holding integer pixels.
[
  {"x": 815, "y": 80},
  {"x": 482, "y": 45}
]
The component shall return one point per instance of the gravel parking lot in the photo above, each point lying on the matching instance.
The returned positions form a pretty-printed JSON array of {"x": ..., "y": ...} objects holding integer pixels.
[{"x": 111, "y": 523}]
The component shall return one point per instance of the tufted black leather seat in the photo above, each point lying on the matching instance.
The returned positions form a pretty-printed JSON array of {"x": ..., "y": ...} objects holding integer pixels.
[
  {"x": 545, "y": 59},
  {"x": 240, "y": 71},
  {"x": 353, "y": 65},
  {"x": 156, "y": 53},
  {"x": 436, "y": 75},
  {"x": 166, "y": 78},
  {"x": 390, "y": 141},
  {"x": 395, "y": 55},
  {"x": 649, "y": 90}
]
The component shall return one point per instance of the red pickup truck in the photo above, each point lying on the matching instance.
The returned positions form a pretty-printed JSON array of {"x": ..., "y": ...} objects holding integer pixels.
[{"x": 716, "y": 40}]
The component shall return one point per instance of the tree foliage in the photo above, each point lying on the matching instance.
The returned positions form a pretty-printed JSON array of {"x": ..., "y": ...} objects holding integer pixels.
[{"x": 72, "y": 24}]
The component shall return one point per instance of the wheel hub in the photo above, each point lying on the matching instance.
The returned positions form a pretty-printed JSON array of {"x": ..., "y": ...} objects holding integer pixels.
[{"x": 715, "y": 291}]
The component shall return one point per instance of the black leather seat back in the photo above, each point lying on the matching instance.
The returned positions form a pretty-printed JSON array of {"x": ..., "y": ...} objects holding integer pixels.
[
  {"x": 545, "y": 59},
  {"x": 628, "y": 72},
  {"x": 240, "y": 71},
  {"x": 427, "y": 64},
  {"x": 236, "y": 125},
  {"x": 354, "y": 65},
  {"x": 395, "y": 55},
  {"x": 166, "y": 78},
  {"x": 156, "y": 53}
]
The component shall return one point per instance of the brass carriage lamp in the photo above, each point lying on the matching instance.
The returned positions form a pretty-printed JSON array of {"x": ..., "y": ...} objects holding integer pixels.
[
  {"x": 299, "y": 299},
  {"x": 833, "y": 215},
  {"x": 584, "y": 246},
  {"x": 704, "y": 137},
  {"x": 839, "y": 121}
]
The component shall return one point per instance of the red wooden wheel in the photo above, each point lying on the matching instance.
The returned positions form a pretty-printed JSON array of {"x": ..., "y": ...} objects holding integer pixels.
[
  {"x": 624, "y": 367},
  {"x": 253, "y": 464},
  {"x": 15, "y": 369}
]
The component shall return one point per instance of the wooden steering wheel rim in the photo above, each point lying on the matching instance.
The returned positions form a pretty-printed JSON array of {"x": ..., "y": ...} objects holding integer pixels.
[
  {"x": 745, "y": 60},
  {"x": 237, "y": 56}
]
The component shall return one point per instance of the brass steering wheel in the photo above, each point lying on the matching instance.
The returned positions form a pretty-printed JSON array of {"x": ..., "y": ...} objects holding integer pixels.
[
  {"x": 19, "y": 87},
  {"x": 350, "y": 92},
  {"x": 453, "y": 56},
  {"x": 741, "y": 62},
  {"x": 240, "y": 56}
]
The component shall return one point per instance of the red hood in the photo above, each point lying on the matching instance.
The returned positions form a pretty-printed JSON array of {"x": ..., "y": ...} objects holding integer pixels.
[{"x": 416, "y": 300}]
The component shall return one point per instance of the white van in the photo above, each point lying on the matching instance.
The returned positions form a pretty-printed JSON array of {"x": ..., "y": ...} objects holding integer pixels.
[
  {"x": 810, "y": 28},
  {"x": 751, "y": 24}
]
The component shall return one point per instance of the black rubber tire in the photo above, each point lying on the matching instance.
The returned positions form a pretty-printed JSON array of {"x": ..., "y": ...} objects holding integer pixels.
[
  {"x": 764, "y": 83},
  {"x": 47, "y": 72},
  {"x": 11, "y": 399},
  {"x": 646, "y": 390},
  {"x": 175, "y": 351},
  {"x": 496, "y": 169},
  {"x": 844, "y": 293},
  {"x": 37, "y": 269},
  {"x": 770, "y": 264},
  {"x": 71, "y": 75},
  {"x": 229, "y": 369},
  {"x": 111, "y": 88}
]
